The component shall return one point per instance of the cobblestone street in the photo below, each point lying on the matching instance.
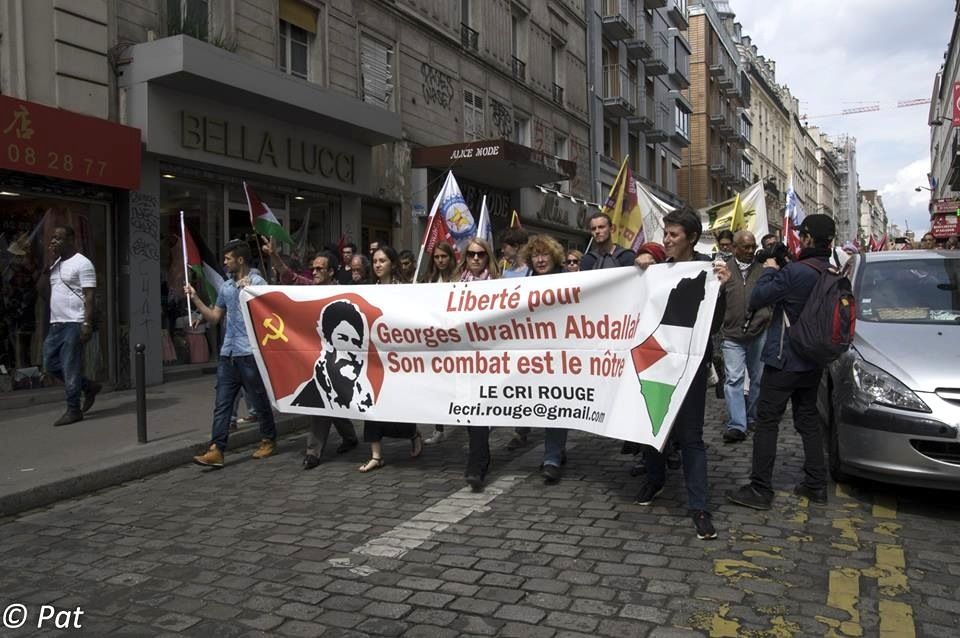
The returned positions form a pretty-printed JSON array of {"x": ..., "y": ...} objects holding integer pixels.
[{"x": 264, "y": 548}]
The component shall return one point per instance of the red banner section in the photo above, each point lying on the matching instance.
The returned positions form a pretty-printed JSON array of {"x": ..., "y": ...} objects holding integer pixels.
[
  {"x": 57, "y": 143},
  {"x": 945, "y": 224}
]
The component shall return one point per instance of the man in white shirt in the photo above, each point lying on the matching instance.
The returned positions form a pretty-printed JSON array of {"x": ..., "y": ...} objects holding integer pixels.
[{"x": 73, "y": 282}]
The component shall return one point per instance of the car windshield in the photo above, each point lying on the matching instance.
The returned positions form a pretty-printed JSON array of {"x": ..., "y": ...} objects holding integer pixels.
[{"x": 911, "y": 291}]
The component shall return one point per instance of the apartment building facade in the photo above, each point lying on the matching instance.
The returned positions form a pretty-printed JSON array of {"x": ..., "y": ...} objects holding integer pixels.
[
  {"x": 848, "y": 200},
  {"x": 343, "y": 116},
  {"x": 714, "y": 166},
  {"x": 873, "y": 217},
  {"x": 945, "y": 140},
  {"x": 639, "y": 66},
  {"x": 828, "y": 176}
]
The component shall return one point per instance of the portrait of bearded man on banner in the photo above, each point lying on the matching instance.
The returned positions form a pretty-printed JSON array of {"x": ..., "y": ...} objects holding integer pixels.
[{"x": 339, "y": 379}]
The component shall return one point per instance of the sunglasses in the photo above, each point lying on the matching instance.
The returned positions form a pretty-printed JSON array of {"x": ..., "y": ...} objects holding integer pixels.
[
  {"x": 472, "y": 254},
  {"x": 572, "y": 262}
]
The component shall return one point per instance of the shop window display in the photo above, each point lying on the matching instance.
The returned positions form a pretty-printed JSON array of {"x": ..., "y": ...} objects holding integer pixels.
[{"x": 26, "y": 226}]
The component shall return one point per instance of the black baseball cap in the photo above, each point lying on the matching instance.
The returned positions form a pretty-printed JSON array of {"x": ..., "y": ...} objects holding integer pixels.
[{"x": 818, "y": 226}]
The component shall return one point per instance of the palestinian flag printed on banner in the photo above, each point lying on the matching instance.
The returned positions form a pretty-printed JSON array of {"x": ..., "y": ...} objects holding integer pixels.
[{"x": 662, "y": 358}]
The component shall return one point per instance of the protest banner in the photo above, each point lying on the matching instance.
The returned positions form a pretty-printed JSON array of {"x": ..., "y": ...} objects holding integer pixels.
[{"x": 610, "y": 352}]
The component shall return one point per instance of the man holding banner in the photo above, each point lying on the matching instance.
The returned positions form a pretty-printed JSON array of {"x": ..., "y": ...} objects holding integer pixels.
[{"x": 604, "y": 253}]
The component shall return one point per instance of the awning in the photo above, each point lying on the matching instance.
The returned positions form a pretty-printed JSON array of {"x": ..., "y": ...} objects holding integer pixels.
[{"x": 497, "y": 163}]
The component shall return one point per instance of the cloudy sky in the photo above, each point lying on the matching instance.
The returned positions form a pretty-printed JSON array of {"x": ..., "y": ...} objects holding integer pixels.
[{"x": 837, "y": 55}]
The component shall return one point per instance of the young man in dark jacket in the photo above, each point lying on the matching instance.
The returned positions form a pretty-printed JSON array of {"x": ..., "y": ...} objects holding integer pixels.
[
  {"x": 743, "y": 334},
  {"x": 787, "y": 376},
  {"x": 603, "y": 252}
]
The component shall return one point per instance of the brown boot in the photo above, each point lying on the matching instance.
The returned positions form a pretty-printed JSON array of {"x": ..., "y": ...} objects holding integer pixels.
[
  {"x": 267, "y": 448},
  {"x": 212, "y": 458}
]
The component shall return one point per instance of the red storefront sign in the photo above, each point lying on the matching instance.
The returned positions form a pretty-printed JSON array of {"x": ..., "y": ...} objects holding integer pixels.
[
  {"x": 58, "y": 143},
  {"x": 944, "y": 205},
  {"x": 945, "y": 224}
]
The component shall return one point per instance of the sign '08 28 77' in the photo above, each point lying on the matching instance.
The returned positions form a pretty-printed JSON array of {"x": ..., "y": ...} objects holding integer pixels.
[{"x": 53, "y": 142}]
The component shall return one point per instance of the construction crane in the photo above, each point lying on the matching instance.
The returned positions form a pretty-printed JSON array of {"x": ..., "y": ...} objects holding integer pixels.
[{"x": 869, "y": 107}]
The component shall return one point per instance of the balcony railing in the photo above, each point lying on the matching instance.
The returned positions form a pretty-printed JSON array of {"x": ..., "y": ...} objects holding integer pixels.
[
  {"x": 663, "y": 124},
  {"x": 645, "y": 114},
  {"x": 557, "y": 93},
  {"x": 677, "y": 10},
  {"x": 617, "y": 91},
  {"x": 618, "y": 18},
  {"x": 469, "y": 39},
  {"x": 639, "y": 45},
  {"x": 659, "y": 61},
  {"x": 519, "y": 69},
  {"x": 718, "y": 61}
]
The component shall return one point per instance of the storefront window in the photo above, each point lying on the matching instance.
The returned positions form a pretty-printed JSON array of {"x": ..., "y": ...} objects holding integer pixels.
[
  {"x": 189, "y": 341},
  {"x": 26, "y": 226}
]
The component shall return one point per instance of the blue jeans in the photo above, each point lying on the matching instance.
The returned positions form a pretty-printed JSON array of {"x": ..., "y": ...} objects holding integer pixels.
[
  {"x": 234, "y": 373},
  {"x": 554, "y": 445},
  {"x": 741, "y": 357},
  {"x": 687, "y": 432},
  {"x": 63, "y": 358}
]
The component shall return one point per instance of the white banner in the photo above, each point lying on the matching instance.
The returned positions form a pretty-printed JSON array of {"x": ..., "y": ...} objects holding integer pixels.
[{"x": 610, "y": 352}]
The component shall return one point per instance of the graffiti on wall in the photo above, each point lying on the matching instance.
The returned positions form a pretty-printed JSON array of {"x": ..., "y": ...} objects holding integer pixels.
[
  {"x": 502, "y": 119},
  {"x": 437, "y": 86}
]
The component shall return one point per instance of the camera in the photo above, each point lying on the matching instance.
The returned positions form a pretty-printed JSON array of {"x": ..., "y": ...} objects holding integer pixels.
[{"x": 777, "y": 251}]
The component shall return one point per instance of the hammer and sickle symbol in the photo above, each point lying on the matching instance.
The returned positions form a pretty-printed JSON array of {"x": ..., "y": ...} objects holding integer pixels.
[{"x": 276, "y": 332}]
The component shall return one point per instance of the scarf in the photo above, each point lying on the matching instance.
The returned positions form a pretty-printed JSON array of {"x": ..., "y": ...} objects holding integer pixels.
[{"x": 469, "y": 276}]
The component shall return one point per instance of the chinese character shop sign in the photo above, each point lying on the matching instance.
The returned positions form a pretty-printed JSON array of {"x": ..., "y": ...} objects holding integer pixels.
[{"x": 57, "y": 143}]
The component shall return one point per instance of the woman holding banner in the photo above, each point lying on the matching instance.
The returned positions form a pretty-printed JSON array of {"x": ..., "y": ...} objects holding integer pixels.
[
  {"x": 545, "y": 256},
  {"x": 478, "y": 264},
  {"x": 386, "y": 270}
]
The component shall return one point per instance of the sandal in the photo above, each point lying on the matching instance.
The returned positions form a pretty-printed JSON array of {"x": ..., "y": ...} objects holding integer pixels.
[
  {"x": 375, "y": 463},
  {"x": 416, "y": 445}
]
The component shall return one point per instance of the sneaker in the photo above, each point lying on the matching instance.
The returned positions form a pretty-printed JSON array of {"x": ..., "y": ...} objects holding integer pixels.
[
  {"x": 733, "y": 435},
  {"x": 818, "y": 496},
  {"x": 248, "y": 420},
  {"x": 68, "y": 417},
  {"x": 438, "y": 436},
  {"x": 517, "y": 442},
  {"x": 346, "y": 446},
  {"x": 551, "y": 474},
  {"x": 212, "y": 458},
  {"x": 748, "y": 496},
  {"x": 311, "y": 461},
  {"x": 475, "y": 481},
  {"x": 90, "y": 395},
  {"x": 648, "y": 492},
  {"x": 267, "y": 448},
  {"x": 705, "y": 528}
]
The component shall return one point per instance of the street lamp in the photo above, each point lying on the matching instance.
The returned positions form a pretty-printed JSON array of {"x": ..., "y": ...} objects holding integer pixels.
[{"x": 919, "y": 188}]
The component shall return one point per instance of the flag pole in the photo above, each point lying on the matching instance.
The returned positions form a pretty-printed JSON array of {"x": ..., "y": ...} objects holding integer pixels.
[{"x": 186, "y": 267}]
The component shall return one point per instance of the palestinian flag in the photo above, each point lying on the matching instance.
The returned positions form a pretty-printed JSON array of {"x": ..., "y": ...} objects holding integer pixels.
[
  {"x": 203, "y": 263},
  {"x": 663, "y": 357},
  {"x": 262, "y": 218}
]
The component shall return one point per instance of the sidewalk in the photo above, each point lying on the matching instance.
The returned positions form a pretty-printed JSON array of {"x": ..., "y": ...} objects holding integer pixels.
[{"x": 41, "y": 464}]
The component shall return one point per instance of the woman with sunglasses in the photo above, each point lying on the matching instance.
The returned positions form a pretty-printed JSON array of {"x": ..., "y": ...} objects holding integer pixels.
[
  {"x": 386, "y": 270},
  {"x": 478, "y": 264},
  {"x": 572, "y": 262}
]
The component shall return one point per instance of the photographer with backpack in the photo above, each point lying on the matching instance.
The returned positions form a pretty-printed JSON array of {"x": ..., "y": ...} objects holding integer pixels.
[{"x": 812, "y": 324}]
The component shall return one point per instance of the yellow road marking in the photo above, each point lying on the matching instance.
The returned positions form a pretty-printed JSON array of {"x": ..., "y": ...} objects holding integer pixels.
[
  {"x": 884, "y": 506},
  {"x": 848, "y": 529},
  {"x": 887, "y": 528},
  {"x": 889, "y": 572},
  {"x": 844, "y": 594},
  {"x": 734, "y": 569},
  {"x": 896, "y": 620},
  {"x": 841, "y": 491}
]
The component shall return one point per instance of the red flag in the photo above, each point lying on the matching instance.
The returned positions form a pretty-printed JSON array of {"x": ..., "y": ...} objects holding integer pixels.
[
  {"x": 792, "y": 237},
  {"x": 882, "y": 244},
  {"x": 437, "y": 232},
  {"x": 286, "y": 332},
  {"x": 873, "y": 244}
]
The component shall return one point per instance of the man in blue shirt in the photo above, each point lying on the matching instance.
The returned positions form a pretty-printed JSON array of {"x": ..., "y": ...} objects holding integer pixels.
[{"x": 236, "y": 368}]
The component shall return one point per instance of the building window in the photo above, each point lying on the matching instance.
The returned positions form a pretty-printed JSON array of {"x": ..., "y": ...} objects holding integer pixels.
[
  {"x": 682, "y": 121},
  {"x": 652, "y": 163},
  {"x": 746, "y": 168},
  {"x": 745, "y": 127},
  {"x": 607, "y": 140},
  {"x": 560, "y": 146},
  {"x": 189, "y": 17},
  {"x": 376, "y": 71},
  {"x": 298, "y": 28},
  {"x": 521, "y": 130},
  {"x": 633, "y": 148},
  {"x": 473, "y": 119},
  {"x": 294, "y": 50}
]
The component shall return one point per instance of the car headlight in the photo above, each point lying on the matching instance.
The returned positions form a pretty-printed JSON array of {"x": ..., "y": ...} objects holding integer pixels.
[{"x": 875, "y": 385}]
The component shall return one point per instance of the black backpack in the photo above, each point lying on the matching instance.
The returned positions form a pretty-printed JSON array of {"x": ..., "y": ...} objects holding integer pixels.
[
  {"x": 601, "y": 260},
  {"x": 824, "y": 330}
]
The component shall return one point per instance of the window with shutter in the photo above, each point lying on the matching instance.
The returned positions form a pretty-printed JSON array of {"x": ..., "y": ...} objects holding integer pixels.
[
  {"x": 473, "y": 119},
  {"x": 376, "y": 72}
]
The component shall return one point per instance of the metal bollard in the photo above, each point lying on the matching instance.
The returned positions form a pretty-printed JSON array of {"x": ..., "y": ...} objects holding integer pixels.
[{"x": 141, "y": 374}]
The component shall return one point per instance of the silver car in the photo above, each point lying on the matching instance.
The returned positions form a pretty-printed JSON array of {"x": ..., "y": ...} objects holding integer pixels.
[{"x": 891, "y": 405}]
